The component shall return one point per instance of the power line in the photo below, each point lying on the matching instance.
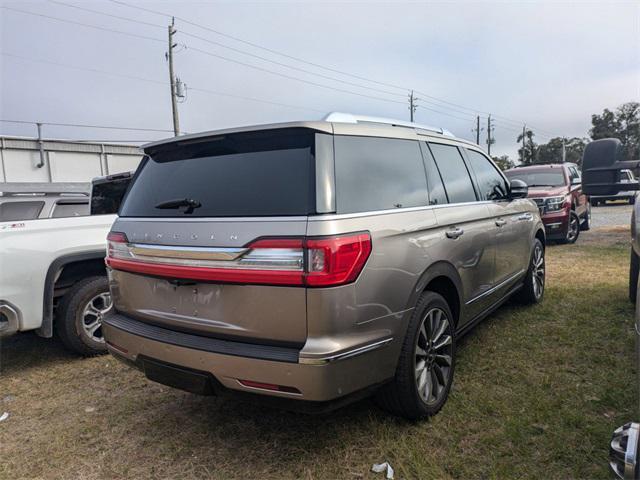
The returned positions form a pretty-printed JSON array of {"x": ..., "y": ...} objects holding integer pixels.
[
  {"x": 158, "y": 82},
  {"x": 78, "y": 7},
  {"x": 290, "y": 77},
  {"x": 85, "y": 125},
  {"x": 283, "y": 75},
  {"x": 237, "y": 50},
  {"x": 317, "y": 65},
  {"x": 86, "y": 25}
]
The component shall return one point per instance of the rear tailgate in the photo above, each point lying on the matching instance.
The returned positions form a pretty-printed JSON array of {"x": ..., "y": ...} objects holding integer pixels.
[
  {"x": 255, "y": 313},
  {"x": 184, "y": 258}
]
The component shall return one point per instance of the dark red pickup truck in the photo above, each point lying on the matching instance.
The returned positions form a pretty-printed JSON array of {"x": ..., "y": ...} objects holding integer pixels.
[{"x": 557, "y": 190}]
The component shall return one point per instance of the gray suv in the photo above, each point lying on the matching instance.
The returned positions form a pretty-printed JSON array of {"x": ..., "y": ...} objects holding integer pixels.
[{"x": 316, "y": 261}]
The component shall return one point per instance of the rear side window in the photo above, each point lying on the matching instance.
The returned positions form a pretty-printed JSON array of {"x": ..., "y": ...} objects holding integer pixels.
[
  {"x": 455, "y": 175},
  {"x": 378, "y": 174},
  {"x": 10, "y": 211},
  {"x": 264, "y": 173},
  {"x": 490, "y": 183},
  {"x": 70, "y": 210}
]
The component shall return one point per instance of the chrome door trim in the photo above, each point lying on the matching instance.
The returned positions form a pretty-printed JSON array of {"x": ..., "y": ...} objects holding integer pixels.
[{"x": 497, "y": 287}]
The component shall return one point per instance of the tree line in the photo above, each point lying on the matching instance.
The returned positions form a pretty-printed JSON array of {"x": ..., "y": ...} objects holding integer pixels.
[{"x": 622, "y": 123}]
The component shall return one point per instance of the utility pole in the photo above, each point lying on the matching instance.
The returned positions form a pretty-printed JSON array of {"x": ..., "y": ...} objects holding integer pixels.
[
  {"x": 564, "y": 150},
  {"x": 172, "y": 80},
  {"x": 477, "y": 130},
  {"x": 524, "y": 134},
  {"x": 412, "y": 105},
  {"x": 489, "y": 130}
]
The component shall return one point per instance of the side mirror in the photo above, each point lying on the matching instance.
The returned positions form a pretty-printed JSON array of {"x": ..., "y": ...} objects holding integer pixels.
[
  {"x": 518, "y": 189},
  {"x": 601, "y": 164},
  {"x": 576, "y": 181}
]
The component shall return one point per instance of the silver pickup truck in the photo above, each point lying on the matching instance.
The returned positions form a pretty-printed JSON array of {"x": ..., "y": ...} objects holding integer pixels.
[{"x": 603, "y": 175}]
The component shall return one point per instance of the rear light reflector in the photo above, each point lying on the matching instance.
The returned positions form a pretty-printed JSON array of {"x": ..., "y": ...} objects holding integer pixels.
[
  {"x": 312, "y": 262},
  {"x": 269, "y": 386}
]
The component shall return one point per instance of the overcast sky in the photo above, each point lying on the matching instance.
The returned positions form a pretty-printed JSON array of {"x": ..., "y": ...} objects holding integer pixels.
[{"x": 551, "y": 64}]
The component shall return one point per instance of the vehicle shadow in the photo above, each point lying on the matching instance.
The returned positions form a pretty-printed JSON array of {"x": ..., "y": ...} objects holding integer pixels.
[{"x": 24, "y": 351}]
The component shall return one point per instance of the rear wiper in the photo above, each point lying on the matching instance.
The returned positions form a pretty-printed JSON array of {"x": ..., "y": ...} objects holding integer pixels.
[{"x": 189, "y": 203}]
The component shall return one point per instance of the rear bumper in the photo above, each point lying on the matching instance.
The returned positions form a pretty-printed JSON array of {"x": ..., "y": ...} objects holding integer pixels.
[{"x": 227, "y": 363}]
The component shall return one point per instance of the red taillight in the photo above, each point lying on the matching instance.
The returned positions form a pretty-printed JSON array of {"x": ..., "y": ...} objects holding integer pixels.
[
  {"x": 313, "y": 262},
  {"x": 336, "y": 260}
]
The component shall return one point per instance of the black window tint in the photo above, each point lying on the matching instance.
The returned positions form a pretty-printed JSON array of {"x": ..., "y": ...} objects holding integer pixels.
[
  {"x": 490, "y": 183},
  {"x": 263, "y": 173},
  {"x": 10, "y": 211},
  {"x": 70, "y": 210},
  {"x": 437, "y": 195},
  {"x": 455, "y": 175},
  {"x": 378, "y": 174}
]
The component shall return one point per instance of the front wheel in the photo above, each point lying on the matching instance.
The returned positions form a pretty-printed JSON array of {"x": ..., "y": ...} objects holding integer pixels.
[
  {"x": 533, "y": 289},
  {"x": 425, "y": 368},
  {"x": 586, "y": 223},
  {"x": 79, "y": 320},
  {"x": 573, "y": 229}
]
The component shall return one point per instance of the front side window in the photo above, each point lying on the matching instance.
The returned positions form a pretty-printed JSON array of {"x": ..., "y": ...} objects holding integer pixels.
[
  {"x": 378, "y": 174},
  {"x": 490, "y": 183},
  {"x": 11, "y": 211},
  {"x": 455, "y": 175},
  {"x": 539, "y": 177}
]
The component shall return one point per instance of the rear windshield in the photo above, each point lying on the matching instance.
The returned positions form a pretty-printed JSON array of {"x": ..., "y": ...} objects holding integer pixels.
[
  {"x": 265, "y": 173},
  {"x": 538, "y": 178}
]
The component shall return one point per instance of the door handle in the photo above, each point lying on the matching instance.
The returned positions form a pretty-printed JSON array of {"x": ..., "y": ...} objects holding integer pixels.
[
  {"x": 454, "y": 233},
  {"x": 501, "y": 222},
  {"x": 525, "y": 216}
]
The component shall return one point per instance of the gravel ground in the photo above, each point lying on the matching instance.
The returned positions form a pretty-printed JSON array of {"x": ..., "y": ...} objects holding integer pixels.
[{"x": 611, "y": 214}]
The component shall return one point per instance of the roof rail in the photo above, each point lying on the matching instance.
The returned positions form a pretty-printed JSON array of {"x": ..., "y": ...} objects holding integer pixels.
[{"x": 339, "y": 117}]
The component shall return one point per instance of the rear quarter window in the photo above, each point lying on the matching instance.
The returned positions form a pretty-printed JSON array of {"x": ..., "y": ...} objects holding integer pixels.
[{"x": 378, "y": 174}]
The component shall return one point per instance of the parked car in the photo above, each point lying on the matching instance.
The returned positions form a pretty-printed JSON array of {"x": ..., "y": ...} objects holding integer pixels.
[
  {"x": 28, "y": 201},
  {"x": 626, "y": 177},
  {"x": 557, "y": 190},
  {"x": 604, "y": 176},
  {"x": 53, "y": 274},
  {"x": 316, "y": 261}
]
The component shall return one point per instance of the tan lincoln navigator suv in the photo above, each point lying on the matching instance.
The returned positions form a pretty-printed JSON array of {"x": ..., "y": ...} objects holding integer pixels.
[{"x": 316, "y": 261}]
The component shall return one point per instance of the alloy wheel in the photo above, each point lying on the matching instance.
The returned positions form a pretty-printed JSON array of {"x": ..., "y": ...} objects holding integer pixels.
[
  {"x": 433, "y": 356},
  {"x": 574, "y": 227},
  {"x": 537, "y": 271},
  {"x": 93, "y": 313}
]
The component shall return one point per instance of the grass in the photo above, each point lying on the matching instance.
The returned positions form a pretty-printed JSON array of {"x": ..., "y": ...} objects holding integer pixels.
[{"x": 537, "y": 394}]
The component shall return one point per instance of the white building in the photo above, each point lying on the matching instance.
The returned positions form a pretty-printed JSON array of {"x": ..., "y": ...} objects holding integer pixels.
[{"x": 26, "y": 160}]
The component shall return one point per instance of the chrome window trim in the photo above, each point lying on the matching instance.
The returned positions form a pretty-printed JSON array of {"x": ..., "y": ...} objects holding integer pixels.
[{"x": 342, "y": 216}]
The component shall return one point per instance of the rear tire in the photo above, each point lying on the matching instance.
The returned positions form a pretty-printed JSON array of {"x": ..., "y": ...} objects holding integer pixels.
[
  {"x": 586, "y": 224},
  {"x": 634, "y": 270},
  {"x": 79, "y": 320},
  {"x": 594, "y": 202},
  {"x": 425, "y": 368},
  {"x": 532, "y": 291}
]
